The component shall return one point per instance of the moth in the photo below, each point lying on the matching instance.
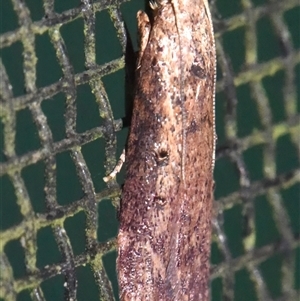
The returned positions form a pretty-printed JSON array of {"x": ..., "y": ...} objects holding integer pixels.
[{"x": 166, "y": 203}]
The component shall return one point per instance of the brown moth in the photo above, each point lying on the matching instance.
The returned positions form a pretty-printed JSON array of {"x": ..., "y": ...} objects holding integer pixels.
[{"x": 166, "y": 206}]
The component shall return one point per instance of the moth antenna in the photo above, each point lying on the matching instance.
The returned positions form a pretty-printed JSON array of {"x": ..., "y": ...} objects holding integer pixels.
[{"x": 182, "y": 98}]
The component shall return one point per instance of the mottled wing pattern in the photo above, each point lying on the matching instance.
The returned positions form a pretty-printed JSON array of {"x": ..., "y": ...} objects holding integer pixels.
[{"x": 165, "y": 214}]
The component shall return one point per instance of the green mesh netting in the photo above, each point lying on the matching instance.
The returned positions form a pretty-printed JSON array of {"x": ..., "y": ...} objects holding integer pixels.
[{"x": 65, "y": 101}]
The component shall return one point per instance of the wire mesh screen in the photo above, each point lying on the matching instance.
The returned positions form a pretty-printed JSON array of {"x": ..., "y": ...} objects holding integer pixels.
[{"x": 66, "y": 93}]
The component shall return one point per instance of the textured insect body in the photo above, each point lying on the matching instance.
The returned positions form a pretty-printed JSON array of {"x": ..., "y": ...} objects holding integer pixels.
[{"x": 165, "y": 214}]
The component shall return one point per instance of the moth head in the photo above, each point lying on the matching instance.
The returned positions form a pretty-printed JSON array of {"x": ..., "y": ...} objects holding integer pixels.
[{"x": 156, "y": 4}]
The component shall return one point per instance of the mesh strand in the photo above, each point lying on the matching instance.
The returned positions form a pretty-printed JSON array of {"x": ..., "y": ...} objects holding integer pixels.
[{"x": 55, "y": 183}]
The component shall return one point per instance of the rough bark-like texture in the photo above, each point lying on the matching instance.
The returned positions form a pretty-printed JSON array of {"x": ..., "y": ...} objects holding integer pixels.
[{"x": 165, "y": 214}]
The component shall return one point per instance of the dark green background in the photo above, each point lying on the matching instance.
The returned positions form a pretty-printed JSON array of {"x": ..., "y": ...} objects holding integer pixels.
[{"x": 68, "y": 186}]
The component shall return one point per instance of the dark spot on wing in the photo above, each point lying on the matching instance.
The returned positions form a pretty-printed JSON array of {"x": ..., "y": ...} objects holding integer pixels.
[
  {"x": 159, "y": 48},
  {"x": 154, "y": 65},
  {"x": 160, "y": 201},
  {"x": 197, "y": 71},
  {"x": 162, "y": 156},
  {"x": 193, "y": 127}
]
